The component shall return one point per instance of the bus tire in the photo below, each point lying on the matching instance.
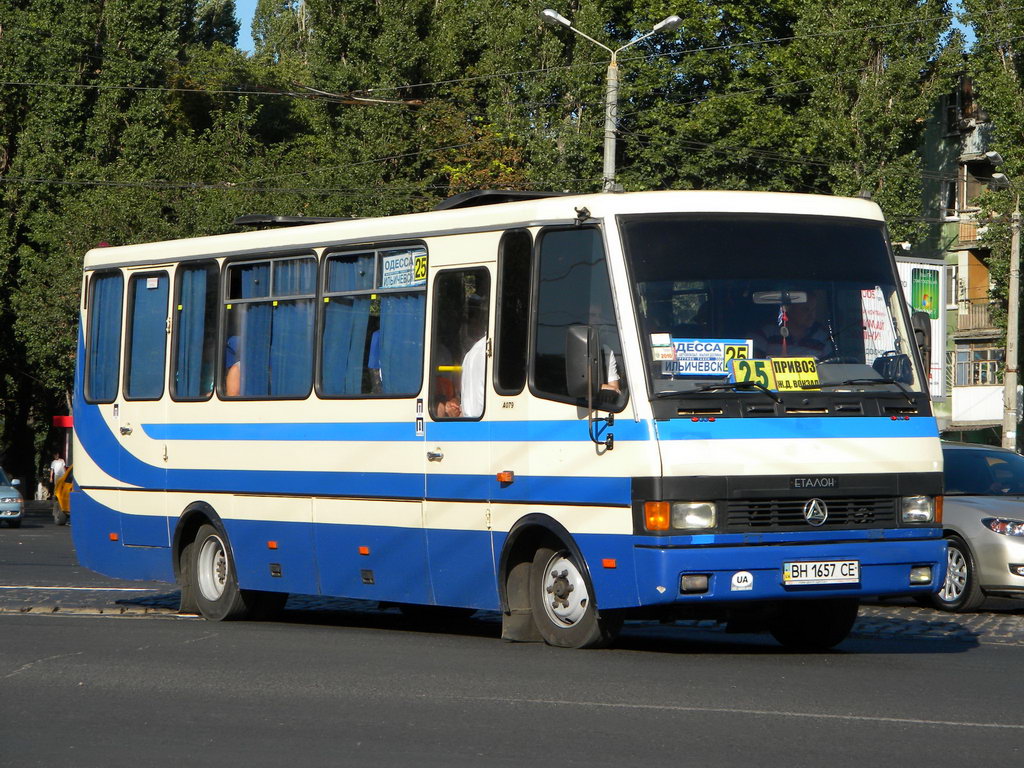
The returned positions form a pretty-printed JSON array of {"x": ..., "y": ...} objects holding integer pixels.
[
  {"x": 562, "y": 603},
  {"x": 212, "y": 572},
  {"x": 814, "y": 625}
]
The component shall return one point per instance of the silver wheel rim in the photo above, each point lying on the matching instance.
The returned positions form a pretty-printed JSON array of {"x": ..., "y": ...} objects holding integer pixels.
[
  {"x": 212, "y": 568},
  {"x": 956, "y": 575},
  {"x": 565, "y": 595}
]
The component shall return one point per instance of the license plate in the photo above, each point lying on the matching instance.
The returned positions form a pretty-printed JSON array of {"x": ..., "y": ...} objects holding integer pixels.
[{"x": 821, "y": 572}]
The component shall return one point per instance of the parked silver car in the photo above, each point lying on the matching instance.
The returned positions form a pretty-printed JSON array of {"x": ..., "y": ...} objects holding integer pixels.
[
  {"x": 11, "y": 506},
  {"x": 983, "y": 516}
]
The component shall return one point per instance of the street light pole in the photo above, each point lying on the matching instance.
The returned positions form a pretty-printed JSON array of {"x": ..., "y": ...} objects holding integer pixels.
[
  {"x": 611, "y": 94},
  {"x": 1010, "y": 374}
]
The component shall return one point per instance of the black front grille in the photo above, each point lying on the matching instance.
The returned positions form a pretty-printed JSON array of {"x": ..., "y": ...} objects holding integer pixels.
[{"x": 743, "y": 515}]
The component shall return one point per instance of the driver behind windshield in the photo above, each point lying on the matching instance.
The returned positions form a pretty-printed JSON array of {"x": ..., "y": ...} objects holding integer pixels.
[{"x": 796, "y": 332}]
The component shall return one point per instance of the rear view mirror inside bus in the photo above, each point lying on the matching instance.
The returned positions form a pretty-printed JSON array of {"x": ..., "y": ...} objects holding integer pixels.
[
  {"x": 780, "y": 297},
  {"x": 582, "y": 363}
]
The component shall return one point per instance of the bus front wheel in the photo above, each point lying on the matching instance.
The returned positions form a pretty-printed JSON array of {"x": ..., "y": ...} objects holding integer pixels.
[{"x": 562, "y": 605}]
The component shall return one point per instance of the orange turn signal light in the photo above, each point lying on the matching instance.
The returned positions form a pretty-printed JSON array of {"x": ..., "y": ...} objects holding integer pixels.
[
  {"x": 609, "y": 562},
  {"x": 657, "y": 515},
  {"x": 938, "y": 509},
  {"x": 506, "y": 476},
  {"x": 114, "y": 536},
  {"x": 271, "y": 545},
  {"x": 364, "y": 550}
]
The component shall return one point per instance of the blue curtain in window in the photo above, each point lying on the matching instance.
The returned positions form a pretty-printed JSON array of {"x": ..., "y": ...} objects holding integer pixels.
[
  {"x": 148, "y": 337},
  {"x": 254, "y": 328},
  {"x": 344, "y": 340},
  {"x": 191, "y": 332},
  {"x": 345, "y": 323},
  {"x": 104, "y": 337},
  {"x": 291, "y": 346},
  {"x": 401, "y": 342}
]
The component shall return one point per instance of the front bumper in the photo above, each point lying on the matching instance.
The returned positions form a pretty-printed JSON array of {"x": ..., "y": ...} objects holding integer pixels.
[
  {"x": 11, "y": 511},
  {"x": 754, "y": 572},
  {"x": 994, "y": 553}
]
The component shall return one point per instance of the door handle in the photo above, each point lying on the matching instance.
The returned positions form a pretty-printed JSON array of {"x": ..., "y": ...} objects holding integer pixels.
[
  {"x": 435, "y": 455},
  {"x": 126, "y": 429}
]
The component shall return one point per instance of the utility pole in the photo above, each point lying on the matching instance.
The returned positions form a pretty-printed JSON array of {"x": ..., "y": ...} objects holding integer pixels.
[{"x": 1011, "y": 369}]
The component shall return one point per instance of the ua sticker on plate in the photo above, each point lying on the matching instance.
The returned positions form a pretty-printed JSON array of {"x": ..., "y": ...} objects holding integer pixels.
[{"x": 742, "y": 581}]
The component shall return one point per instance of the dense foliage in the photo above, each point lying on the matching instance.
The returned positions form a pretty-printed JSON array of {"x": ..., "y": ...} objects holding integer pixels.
[{"x": 134, "y": 120}]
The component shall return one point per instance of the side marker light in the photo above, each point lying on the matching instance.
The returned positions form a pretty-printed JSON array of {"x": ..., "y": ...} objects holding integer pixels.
[
  {"x": 364, "y": 550},
  {"x": 115, "y": 536},
  {"x": 609, "y": 562}
]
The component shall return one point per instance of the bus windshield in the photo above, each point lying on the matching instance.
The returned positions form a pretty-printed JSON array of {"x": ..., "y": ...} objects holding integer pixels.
[{"x": 817, "y": 296}]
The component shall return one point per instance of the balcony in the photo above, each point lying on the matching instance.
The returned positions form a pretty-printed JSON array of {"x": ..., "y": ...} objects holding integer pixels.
[
  {"x": 974, "y": 316},
  {"x": 968, "y": 231}
]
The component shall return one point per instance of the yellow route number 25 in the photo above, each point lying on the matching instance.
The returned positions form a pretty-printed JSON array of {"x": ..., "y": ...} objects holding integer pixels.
[{"x": 755, "y": 371}]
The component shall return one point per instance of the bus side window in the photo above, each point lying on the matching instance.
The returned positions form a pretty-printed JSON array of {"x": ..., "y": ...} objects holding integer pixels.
[
  {"x": 147, "y": 336},
  {"x": 458, "y": 350},
  {"x": 372, "y": 317},
  {"x": 103, "y": 346},
  {"x": 512, "y": 324},
  {"x": 195, "y": 332},
  {"x": 269, "y": 325},
  {"x": 573, "y": 289}
]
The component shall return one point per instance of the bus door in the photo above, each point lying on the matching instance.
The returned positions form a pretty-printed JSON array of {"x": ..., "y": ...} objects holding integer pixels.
[
  {"x": 143, "y": 402},
  {"x": 457, "y": 431}
]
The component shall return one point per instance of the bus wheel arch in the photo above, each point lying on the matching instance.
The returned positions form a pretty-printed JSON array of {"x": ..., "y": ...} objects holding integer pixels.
[{"x": 542, "y": 563}]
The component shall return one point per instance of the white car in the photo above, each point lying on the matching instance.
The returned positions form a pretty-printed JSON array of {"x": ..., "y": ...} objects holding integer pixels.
[
  {"x": 983, "y": 517},
  {"x": 11, "y": 506}
]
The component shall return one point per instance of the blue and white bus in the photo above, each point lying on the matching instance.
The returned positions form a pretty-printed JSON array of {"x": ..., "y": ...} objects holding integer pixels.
[{"x": 573, "y": 409}]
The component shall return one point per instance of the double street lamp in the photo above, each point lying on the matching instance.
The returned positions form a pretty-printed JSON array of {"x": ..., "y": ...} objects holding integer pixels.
[{"x": 611, "y": 106}]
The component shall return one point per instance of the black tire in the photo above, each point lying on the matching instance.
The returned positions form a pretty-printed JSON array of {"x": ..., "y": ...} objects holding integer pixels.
[
  {"x": 562, "y": 604},
  {"x": 186, "y": 581},
  {"x": 212, "y": 570},
  {"x": 813, "y": 625},
  {"x": 60, "y": 517},
  {"x": 960, "y": 592}
]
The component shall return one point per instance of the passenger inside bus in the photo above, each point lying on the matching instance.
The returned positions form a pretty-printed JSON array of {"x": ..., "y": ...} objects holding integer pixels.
[
  {"x": 233, "y": 368},
  {"x": 469, "y": 402}
]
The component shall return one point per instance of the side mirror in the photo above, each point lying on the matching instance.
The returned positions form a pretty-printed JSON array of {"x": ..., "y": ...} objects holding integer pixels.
[
  {"x": 15, "y": 482},
  {"x": 922, "y": 326},
  {"x": 582, "y": 362}
]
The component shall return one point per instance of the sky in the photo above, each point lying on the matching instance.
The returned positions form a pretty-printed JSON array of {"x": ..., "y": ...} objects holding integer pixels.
[{"x": 244, "y": 9}]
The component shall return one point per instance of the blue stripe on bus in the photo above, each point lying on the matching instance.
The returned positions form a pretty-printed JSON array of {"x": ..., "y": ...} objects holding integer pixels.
[
  {"x": 549, "y": 430},
  {"x": 371, "y": 432},
  {"x": 453, "y": 567},
  {"x": 111, "y": 456},
  {"x": 797, "y": 427}
]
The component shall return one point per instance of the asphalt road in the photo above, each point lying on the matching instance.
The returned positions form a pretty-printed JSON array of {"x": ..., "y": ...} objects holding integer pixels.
[{"x": 93, "y": 678}]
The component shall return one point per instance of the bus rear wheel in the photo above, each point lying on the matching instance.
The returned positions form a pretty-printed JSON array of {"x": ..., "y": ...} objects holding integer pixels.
[
  {"x": 213, "y": 572},
  {"x": 814, "y": 625},
  {"x": 562, "y": 605}
]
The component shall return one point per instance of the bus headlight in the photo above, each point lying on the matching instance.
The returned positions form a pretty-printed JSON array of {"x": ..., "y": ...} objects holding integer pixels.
[
  {"x": 919, "y": 509},
  {"x": 693, "y": 515},
  {"x": 680, "y": 515}
]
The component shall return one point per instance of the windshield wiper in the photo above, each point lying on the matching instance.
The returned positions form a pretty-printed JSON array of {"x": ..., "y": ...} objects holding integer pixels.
[
  {"x": 723, "y": 385},
  {"x": 869, "y": 382}
]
